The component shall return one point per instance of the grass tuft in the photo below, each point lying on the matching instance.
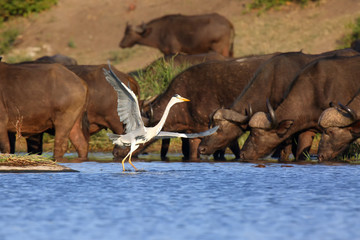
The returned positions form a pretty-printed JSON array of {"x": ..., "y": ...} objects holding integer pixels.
[
  {"x": 352, "y": 35},
  {"x": 157, "y": 77},
  {"x": 7, "y": 39},
  {"x": 24, "y": 160}
]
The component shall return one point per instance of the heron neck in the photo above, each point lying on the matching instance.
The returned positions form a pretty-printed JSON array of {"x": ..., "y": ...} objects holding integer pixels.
[{"x": 161, "y": 123}]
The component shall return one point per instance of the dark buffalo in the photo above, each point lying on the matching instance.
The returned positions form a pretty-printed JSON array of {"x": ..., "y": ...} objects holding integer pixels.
[
  {"x": 323, "y": 81},
  {"x": 209, "y": 86},
  {"x": 102, "y": 103},
  {"x": 270, "y": 82},
  {"x": 356, "y": 45},
  {"x": 181, "y": 61},
  {"x": 173, "y": 34},
  {"x": 38, "y": 97},
  {"x": 57, "y": 58},
  {"x": 340, "y": 127}
]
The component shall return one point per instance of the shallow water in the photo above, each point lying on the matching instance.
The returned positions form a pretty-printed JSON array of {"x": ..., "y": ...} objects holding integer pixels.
[{"x": 178, "y": 200}]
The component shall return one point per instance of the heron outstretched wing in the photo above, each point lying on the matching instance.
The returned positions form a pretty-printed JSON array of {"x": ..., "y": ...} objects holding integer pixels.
[
  {"x": 164, "y": 134},
  {"x": 128, "y": 107}
]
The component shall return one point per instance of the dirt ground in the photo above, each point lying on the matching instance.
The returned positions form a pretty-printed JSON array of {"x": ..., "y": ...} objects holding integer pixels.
[{"x": 90, "y": 30}]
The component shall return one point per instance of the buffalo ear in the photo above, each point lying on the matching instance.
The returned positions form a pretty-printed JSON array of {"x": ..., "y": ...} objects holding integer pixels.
[
  {"x": 146, "y": 32},
  {"x": 283, "y": 127},
  {"x": 355, "y": 128}
]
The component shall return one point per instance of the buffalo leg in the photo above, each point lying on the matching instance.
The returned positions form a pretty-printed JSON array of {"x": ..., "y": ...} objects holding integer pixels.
[
  {"x": 234, "y": 147},
  {"x": 4, "y": 141},
  {"x": 35, "y": 144},
  {"x": 79, "y": 140},
  {"x": 194, "y": 145},
  {"x": 304, "y": 144},
  {"x": 165, "y": 143},
  {"x": 185, "y": 148},
  {"x": 12, "y": 141},
  {"x": 219, "y": 155}
]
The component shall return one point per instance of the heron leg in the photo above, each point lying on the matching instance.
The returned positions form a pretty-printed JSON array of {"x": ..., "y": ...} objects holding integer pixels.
[
  {"x": 131, "y": 163},
  {"x": 123, "y": 161}
]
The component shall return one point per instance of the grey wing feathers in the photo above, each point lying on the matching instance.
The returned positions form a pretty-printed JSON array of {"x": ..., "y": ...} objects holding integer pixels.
[
  {"x": 128, "y": 107},
  {"x": 113, "y": 136},
  {"x": 163, "y": 134}
]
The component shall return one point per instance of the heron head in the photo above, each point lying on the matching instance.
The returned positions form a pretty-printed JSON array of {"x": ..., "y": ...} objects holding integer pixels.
[{"x": 180, "y": 98}]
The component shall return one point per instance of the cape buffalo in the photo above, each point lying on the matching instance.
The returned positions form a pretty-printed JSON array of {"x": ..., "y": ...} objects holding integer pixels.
[
  {"x": 57, "y": 58},
  {"x": 340, "y": 127},
  {"x": 209, "y": 86},
  {"x": 38, "y": 97},
  {"x": 187, "y": 34},
  {"x": 182, "y": 61},
  {"x": 323, "y": 81},
  {"x": 270, "y": 82},
  {"x": 102, "y": 103}
]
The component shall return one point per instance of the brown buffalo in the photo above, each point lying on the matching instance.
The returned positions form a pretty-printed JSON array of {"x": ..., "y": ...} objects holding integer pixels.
[
  {"x": 323, "y": 81},
  {"x": 270, "y": 82},
  {"x": 38, "y": 97},
  {"x": 340, "y": 127},
  {"x": 209, "y": 86},
  {"x": 181, "y": 61},
  {"x": 173, "y": 34},
  {"x": 102, "y": 103}
]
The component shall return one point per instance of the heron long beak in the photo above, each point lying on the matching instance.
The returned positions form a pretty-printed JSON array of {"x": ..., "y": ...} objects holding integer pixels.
[{"x": 184, "y": 99}]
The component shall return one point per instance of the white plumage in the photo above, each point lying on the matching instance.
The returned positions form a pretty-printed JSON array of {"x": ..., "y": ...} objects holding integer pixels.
[{"x": 135, "y": 131}]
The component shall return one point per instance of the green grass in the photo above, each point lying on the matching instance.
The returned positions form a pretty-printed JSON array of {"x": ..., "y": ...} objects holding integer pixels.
[
  {"x": 7, "y": 38},
  {"x": 157, "y": 77},
  {"x": 353, "y": 34},
  {"x": 265, "y": 5},
  {"x": 17, "y": 159},
  {"x": 12, "y": 8},
  {"x": 18, "y": 58},
  {"x": 71, "y": 44}
]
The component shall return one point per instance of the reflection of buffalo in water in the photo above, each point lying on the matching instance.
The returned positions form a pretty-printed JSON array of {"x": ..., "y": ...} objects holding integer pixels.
[
  {"x": 38, "y": 97},
  {"x": 184, "y": 34},
  {"x": 102, "y": 103}
]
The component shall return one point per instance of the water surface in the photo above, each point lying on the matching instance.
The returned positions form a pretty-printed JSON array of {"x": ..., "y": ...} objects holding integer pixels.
[{"x": 180, "y": 200}]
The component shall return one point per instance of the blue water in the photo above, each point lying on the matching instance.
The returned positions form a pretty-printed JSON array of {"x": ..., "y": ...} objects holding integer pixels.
[{"x": 176, "y": 200}]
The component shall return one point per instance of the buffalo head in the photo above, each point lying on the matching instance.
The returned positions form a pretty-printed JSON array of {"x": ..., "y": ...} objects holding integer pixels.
[
  {"x": 265, "y": 135},
  {"x": 133, "y": 35},
  {"x": 340, "y": 127},
  {"x": 229, "y": 122}
]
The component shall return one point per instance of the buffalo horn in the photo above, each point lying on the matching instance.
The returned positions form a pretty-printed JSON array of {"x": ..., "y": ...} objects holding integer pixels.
[
  {"x": 233, "y": 116},
  {"x": 151, "y": 113},
  {"x": 272, "y": 114},
  {"x": 349, "y": 111},
  {"x": 249, "y": 111}
]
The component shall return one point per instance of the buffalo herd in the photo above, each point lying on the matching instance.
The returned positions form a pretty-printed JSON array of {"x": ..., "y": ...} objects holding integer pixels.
[{"x": 282, "y": 99}]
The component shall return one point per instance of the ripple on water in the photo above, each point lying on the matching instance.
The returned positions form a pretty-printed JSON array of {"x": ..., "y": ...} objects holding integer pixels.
[{"x": 179, "y": 200}]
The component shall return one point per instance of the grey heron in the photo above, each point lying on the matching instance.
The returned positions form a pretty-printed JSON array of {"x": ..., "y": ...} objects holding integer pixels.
[{"x": 129, "y": 113}]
